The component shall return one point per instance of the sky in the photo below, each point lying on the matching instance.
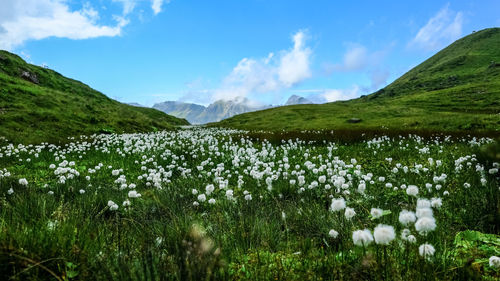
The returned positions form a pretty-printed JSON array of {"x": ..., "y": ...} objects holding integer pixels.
[{"x": 200, "y": 51}]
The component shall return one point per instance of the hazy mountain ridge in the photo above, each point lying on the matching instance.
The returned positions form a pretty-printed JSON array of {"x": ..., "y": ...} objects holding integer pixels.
[
  {"x": 199, "y": 114},
  {"x": 218, "y": 110},
  {"x": 294, "y": 99}
]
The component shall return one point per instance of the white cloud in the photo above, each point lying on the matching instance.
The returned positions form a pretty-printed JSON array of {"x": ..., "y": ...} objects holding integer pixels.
[
  {"x": 294, "y": 66},
  {"x": 358, "y": 58},
  {"x": 269, "y": 74},
  {"x": 442, "y": 29},
  {"x": 157, "y": 5},
  {"x": 24, "y": 20},
  {"x": 128, "y": 5},
  {"x": 331, "y": 95}
]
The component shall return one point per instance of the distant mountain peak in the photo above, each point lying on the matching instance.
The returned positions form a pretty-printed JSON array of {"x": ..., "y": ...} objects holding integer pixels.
[{"x": 294, "y": 99}]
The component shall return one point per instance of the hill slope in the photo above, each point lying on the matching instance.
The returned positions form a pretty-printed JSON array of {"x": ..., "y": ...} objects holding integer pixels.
[
  {"x": 456, "y": 89},
  {"x": 38, "y": 104}
]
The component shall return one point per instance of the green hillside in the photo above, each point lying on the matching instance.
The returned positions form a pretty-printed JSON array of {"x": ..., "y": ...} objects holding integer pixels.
[
  {"x": 458, "y": 89},
  {"x": 39, "y": 104}
]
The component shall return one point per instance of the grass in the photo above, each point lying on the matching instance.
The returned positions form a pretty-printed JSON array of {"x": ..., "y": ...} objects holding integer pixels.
[
  {"x": 58, "y": 107},
  {"x": 282, "y": 233},
  {"x": 458, "y": 89}
]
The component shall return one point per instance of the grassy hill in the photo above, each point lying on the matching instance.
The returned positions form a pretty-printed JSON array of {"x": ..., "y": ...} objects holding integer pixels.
[
  {"x": 39, "y": 104},
  {"x": 458, "y": 89}
]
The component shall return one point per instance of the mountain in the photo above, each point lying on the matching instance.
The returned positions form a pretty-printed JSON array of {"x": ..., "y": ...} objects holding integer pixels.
[
  {"x": 188, "y": 111},
  {"x": 135, "y": 104},
  {"x": 294, "y": 99},
  {"x": 38, "y": 104},
  {"x": 457, "y": 89},
  {"x": 198, "y": 114}
]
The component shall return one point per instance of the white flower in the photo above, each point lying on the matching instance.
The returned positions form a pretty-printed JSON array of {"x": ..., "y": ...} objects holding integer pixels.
[
  {"x": 112, "y": 205},
  {"x": 384, "y": 234},
  {"x": 229, "y": 194},
  {"x": 424, "y": 212},
  {"x": 412, "y": 190},
  {"x": 426, "y": 250},
  {"x": 361, "y": 188},
  {"x": 376, "y": 213},
  {"x": 196, "y": 204},
  {"x": 82, "y": 191},
  {"x": 337, "y": 204},
  {"x": 126, "y": 203},
  {"x": 202, "y": 197},
  {"x": 423, "y": 203},
  {"x": 411, "y": 238},
  {"x": 436, "y": 203},
  {"x": 332, "y": 233},
  {"x": 134, "y": 194},
  {"x": 349, "y": 213},
  {"x": 211, "y": 201},
  {"x": 425, "y": 225},
  {"x": 194, "y": 191},
  {"x": 407, "y": 217},
  {"x": 23, "y": 181},
  {"x": 493, "y": 171},
  {"x": 494, "y": 261},
  {"x": 248, "y": 197},
  {"x": 209, "y": 189},
  {"x": 362, "y": 237},
  {"x": 50, "y": 192},
  {"x": 10, "y": 191}
]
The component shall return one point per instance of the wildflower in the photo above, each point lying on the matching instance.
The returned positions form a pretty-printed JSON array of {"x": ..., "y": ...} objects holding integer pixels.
[
  {"x": 202, "y": 197},
  {"x": 436, "y": 203},
  {"x": 229, "y": 194},
  {"x": 493, "y": 171},
  {"x": 494, "y": 261},
  {"x": 406, "y": 217},
  {"x": 211, "y": 201},
  {"x": 412, "y": 190},
  {"x": 423, "y": 203},
  {"x": 361, "y": 188},
  {"x": 332, "y": 233},
  {"x": 426, "y": 250},
  {"x": 23, "y": 181},
  {"x": 10, "y": 191},
  {"x": 425, "y": 225},
  {"x": 411, "y": 238},
  {"x": 248, "y": 197},
  {"x": 349, "y": 213},
  {"x": 112, "y": 205},
  {"x": 194, "y": 191},
  {"x": 50, "y": 192},
  {"x": 376, "y": 213},
  {"x": 196, "y": 204},
  {"x": 82, "y": 191},
  {"x": 126, "y": 203},
  {"x": 337, "y": 204},
  {"x": 134, "y": 194},
  {"x": 209, "y": 189},
  {"x": 362, "y": 237},
  {"x": 384, "y": 234},
  {"x": 424, "y": 212}
]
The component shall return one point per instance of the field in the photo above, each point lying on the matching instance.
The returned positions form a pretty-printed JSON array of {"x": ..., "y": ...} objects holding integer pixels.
[{"x": 203, "y": 204}]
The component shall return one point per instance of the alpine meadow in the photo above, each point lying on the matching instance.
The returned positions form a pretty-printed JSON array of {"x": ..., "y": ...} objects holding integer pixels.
[{"x": 368, "y": 150}]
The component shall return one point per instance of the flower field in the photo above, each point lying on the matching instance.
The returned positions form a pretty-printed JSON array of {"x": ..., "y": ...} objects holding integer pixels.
[{"x": 203, "y": 204}]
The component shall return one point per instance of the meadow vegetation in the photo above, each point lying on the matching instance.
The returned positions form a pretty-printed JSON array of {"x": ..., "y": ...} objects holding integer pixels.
[{"x": 205, "y": 204}]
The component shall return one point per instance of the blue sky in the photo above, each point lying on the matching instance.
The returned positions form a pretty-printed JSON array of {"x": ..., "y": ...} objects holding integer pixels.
[{"x": 148, "y": 51}]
